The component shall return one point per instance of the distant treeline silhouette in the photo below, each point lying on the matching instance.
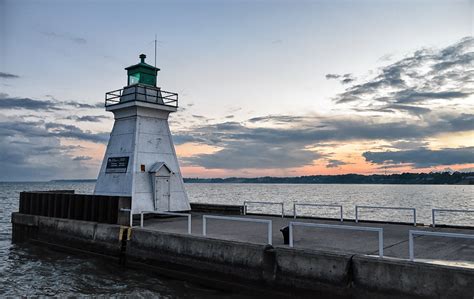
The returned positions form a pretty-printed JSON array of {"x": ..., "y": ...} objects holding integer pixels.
[{"x": 437, "y": 178}]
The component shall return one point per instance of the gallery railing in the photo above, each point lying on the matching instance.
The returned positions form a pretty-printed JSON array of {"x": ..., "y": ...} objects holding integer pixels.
[{"x": 141, "y": 93}]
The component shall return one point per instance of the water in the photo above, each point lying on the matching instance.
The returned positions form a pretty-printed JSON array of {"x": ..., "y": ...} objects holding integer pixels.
[
  {"x": 32, "y": 270},
  {"x": 422, "y": 197}
]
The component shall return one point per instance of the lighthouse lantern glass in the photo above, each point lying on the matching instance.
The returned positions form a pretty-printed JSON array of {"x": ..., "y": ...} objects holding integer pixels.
[{"x": 134, "y": 79}]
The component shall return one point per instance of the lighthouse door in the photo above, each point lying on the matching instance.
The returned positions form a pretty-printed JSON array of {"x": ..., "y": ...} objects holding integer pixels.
[{"x": 162, "y": 193}]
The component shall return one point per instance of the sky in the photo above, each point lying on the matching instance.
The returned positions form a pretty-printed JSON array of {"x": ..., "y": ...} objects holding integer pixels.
[{"x": 279, "y": 88}]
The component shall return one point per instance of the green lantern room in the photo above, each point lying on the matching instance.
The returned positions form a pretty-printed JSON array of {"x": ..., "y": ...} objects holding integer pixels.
[{"x": 142, "y": 73}]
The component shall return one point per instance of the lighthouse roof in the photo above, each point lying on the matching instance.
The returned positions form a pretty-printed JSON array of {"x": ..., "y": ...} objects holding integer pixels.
[{"x": 142, "y": 65}]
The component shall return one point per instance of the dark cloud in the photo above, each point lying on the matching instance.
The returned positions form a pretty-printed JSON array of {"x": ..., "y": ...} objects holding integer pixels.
[
  {"x": 333, "y": 163},
  {"x": 282, "y": 119},
  {"x": 423, "y": 76},
  {"x": 415, "y": 110},
  {"x": 332, "y": 76},
  {"x": 70, "y": 131},
  {"x": 414, "y": 97},
  {"x": 290, "y": 142},
  {"x": 9, "y": 102},
  {"x": 30, "y": 129},
  {"x": 343, "y": 79},
  {"x": 255, "y": 155},
  {"x": 88, "y": 118},
  {"x": 8, "y": 76},
  {"x": 30, "y": 152},
  {"x": 423, "y": 157},
  {"x": 82, "y": 158},
  {"x": 66, "y": 36}
]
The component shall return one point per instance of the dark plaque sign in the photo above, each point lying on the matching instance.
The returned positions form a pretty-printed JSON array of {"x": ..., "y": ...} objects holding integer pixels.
[{"x": 117, "y": 164}]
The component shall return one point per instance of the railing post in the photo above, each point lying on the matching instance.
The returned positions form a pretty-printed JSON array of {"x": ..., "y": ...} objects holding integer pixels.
[
  {"x": 282, "y": 210},
  {"x": 414, "y": 217},
  {"x": 410, "y": 245},
  {"x": 381, "y": 242},
  {"x": 433, "y": 216},
  {"x": 290, "y": 233},
  {"x": 141, "y": 219},
  {"x": 342, "y": 215},
  {"x": 270, "y": 233},
  {"x": 204, "y": 225},
  {"x": 189, "y": 224},
  {"x": 357, "y": 215},
  {"x": 245, "y": 207},
  {"x": 294, "y": 210}
]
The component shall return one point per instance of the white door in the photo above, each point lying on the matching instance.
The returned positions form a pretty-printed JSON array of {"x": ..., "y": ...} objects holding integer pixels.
[{"x": 162, "y": 193}]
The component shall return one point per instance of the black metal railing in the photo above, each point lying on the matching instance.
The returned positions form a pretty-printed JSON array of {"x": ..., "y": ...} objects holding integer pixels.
[{"x": 141, "y": 93}]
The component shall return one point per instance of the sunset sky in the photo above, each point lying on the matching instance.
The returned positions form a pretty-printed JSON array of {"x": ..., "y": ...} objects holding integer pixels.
[{"x": 280, "y": 88}]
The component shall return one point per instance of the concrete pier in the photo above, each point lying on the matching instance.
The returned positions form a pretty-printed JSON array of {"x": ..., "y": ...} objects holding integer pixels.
[
  {"x": 439, "y": 250},
  {"x": 325, "y": 263}
]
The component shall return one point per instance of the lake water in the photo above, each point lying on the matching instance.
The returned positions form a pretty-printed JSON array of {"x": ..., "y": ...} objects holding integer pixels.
[{"x": 31, "y": 270}]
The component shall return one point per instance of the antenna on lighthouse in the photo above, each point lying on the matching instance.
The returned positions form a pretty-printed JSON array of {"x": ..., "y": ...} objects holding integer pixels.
[{"x": 155, "y": 49}]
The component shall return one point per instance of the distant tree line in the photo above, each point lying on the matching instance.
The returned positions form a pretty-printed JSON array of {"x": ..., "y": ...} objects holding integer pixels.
[{"x": 436, "y": 178}]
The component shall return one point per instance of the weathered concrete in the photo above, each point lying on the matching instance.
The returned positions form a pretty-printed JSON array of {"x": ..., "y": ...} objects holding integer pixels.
[
  {"x": 402, "y": 277},
  {"x": 313, "y": 269},
  {"x": 331, "y": 240},
  {"x": 342, "y": 273}
]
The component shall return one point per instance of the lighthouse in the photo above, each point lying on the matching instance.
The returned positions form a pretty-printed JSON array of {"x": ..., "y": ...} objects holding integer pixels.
[{"x": 140, "y": 160}]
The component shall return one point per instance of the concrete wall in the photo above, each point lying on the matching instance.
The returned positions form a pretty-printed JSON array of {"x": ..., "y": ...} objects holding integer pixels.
[
  {"x": 313, "y": 269},
  {"x": 295, "y": 270},
  {"x": 424, "y": 280}
]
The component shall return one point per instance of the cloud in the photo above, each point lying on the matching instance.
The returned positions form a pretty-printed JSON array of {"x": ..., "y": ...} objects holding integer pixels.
[
  {"x": 14, "y": 103},
  {"x": 333, "y": 163},
  {"x": 255, "y": 155},
  {"x": 10, "y": 127},
  {"x": 425, "y": 75},
  {"x": 282, "y": 119},
  {"x": 7, "y": 102},
  {"x": 244, "y": 145},
  {"x": 8, "y": 76},
  {"x": 332, "y": 76},
  {"x": 70, "y": 131},
  {"x": 30, "y": 152},
  {"x": 343, "y": 79},
  {"x": 423, "y": 157},
  {"x": 82, "y": 158},
  {"x": 87, "y": 118},
  {"x": 66, "y": 36}
]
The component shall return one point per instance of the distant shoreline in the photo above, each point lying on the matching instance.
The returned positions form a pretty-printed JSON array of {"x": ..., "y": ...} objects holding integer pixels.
[
  {"x": 434, "y": 178},
  {"x": 445, "y": 178}
]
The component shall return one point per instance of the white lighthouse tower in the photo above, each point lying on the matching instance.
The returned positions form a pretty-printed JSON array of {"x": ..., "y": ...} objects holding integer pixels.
[{"x": 140, "y": 160}]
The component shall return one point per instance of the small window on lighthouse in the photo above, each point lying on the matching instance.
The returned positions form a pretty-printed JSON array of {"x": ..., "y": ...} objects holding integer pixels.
[{"x": 134, "y": 79}]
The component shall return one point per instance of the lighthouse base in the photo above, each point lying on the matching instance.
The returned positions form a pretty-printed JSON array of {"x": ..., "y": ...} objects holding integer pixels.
[{"x": 140, "y": 160}]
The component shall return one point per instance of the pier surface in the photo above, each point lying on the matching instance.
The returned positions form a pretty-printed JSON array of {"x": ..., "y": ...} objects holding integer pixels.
[{"x": 451, "y": 251}]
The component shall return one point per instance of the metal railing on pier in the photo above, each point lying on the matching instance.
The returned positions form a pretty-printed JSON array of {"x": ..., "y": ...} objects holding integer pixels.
[
  {"x": 166, "y": 213},
  {"x": 384, "y": 208},
  {"x": 411, "y": 233},
  {"x": 433, "y": 213},
  {"x": 265, "y": 203},
  {"x": 335, "y": 226},
  {"x": 341, "y": 214},
  {"x": 268, "y": 222}
]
